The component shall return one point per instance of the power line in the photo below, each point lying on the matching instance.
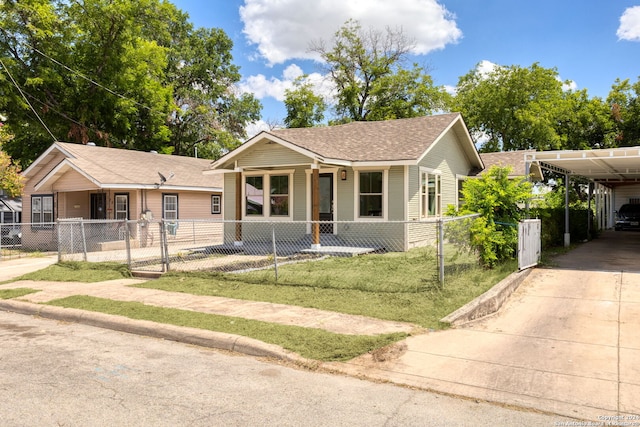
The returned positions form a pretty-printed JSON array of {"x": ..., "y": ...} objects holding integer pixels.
[
  {"x": 87, "y": 78},
  {"x": 27, "y": 101}
]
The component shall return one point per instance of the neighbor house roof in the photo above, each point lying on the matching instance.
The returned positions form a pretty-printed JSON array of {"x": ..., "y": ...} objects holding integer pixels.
[
  {"x": 390, "y": 141},
  {"x": 513, "y": 159},
  {"x": 120, "y": 168}
]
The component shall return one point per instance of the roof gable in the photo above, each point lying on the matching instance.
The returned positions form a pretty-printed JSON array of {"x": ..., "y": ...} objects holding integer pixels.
[
  {"x": 121, "y": 168},
  {"x": 389, "y": 141}
]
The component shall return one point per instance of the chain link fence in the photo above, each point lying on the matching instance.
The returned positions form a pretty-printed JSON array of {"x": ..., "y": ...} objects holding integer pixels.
[
  {"x": 237, "y": 246},
  {"x": 234, "y": 246}
]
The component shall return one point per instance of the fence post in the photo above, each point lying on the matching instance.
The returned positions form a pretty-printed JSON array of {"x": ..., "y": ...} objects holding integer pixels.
[
  {"x": 59, "y": 241},
  {"x": 127, "y": 243},
  {"x": 275, "y": 254},
  {"x": 441, "y": 251},
  {"x": 84, "y": 241},
  {"x": 164, "y": 251}
]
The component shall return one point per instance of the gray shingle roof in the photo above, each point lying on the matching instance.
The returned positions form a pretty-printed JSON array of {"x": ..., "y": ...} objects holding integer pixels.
[
  {"x": 112, "y": 166},
  {"x": 514, "y": 159},
  {"x": 402, "y": 139}
]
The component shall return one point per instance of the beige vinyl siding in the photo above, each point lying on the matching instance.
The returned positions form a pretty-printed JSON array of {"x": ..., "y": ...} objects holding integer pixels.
[
  {"x": 72, "y": 180},
  {"x": 396, "y": 194},
  {"x": 271, "y": 155},
  {"x": 345, "y": 198},
  {"x": 450, "y": 160}
]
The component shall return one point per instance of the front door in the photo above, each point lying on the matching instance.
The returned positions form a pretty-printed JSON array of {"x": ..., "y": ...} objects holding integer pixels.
[
  {"x": 98, "y": 206},
  {"x": 326, "y": 202}
]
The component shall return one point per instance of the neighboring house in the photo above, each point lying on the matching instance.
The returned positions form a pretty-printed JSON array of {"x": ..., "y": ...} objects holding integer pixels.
[
  {"x": 514, "y": 160},
  {"x": 385, "y": 171},
  {"x": 91, "y": 182}
]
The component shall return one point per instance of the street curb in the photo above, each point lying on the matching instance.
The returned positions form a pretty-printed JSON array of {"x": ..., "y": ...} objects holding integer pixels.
[
  {"x": 489, "y": 302},
  {"x": 194, "y": 336}
]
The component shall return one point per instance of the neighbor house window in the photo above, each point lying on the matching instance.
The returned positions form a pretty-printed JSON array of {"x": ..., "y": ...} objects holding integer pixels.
[
  {"x": 121, "y": 202},
  {"x": 42, "y": 211},
  {"x": 370, "y": 193},
  {"x": 279, "y": 195},
  {"x": 170, "y": 206},
  {"x": 216, "y": 204},
  {"x": 254, "y": 195},
  {"x": 430, "y": 195}
]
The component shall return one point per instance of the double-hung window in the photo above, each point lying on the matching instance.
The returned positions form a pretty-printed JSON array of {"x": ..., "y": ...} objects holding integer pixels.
[
  {"x": 279, "y": 195},
  {"x": 170, "y": 207},
  {"x": 267, "y": 195},
  {"x": 42, "y": 211},
  {"x": 216, "y": 204},
  {"x": 430, "y": 198},
  {"x": 121, "y": 202},
  {"x": 371, "y": 197}
]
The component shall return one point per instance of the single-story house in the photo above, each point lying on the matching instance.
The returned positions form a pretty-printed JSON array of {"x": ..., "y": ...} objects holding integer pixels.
[
  {"x": 514, "y": 160},
  {"x": 92, "y": 182},
  {"x": 384, "y": 171}
]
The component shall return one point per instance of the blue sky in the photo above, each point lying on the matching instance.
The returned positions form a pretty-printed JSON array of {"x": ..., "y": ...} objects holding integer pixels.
[{"x": 590, "y": 42}]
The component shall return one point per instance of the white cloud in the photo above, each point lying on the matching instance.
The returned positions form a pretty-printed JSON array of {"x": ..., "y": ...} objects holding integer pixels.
[
  {"x": 569, "y": 85},
  {"x": 284, "y": 29},
  {"x": 629, "y": 28},
  {"x": 263, "y": 87},
  {"x": 485, "y": 68}
]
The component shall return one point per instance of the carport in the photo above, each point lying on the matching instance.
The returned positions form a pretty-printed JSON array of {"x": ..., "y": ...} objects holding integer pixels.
[{"x": 613, "y": 173}]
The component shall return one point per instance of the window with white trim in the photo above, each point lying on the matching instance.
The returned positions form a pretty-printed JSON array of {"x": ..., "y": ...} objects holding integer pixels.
[
  {"x": 216, "y": 204},
  {"x": 279, "y": 195},
  {"x": 42, "y": 211},
  {"x": 254, "y": 195},
  {"x": 268, "y": 195},
  {"x": 121, "y": 202},
  {"x": 430, "y": 197},
  {"x": 170, "y": 207},
  {"x": 370, "y": 193}
]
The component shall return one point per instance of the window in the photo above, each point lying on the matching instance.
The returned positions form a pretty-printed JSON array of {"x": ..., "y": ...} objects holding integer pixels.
[
  {"x": 460, "y": 201},
  {"x": 170, "y": 206},
  {"x": 279, "y": 195},
  {"x": 268, "y": 195},
  {"x": 42, "y": 211},
  {"x": 254, "y": 195},
  {"x": 216, "y": 204},
  {"x": 121, "y": 202},
  {"x": 370, "y": 192},
  {"x": 430, "y": 195}
]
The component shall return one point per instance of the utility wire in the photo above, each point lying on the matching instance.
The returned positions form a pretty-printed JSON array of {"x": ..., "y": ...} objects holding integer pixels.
[
  {"x": 86, "y": 78},
  {"x": 27, "y": 101}
]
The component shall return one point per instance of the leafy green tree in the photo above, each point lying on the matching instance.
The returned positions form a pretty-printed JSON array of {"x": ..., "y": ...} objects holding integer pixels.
[
  {"x": 119, "y": 73},
  {"x": 499, "y": 201},
  {"x": 11, "y": 181},
  {"x": 624, "y": 99},
  {"x": 304, "y": 108},
  {"x": 366, "y": 68},
  {"x": 513, "y": 107}
]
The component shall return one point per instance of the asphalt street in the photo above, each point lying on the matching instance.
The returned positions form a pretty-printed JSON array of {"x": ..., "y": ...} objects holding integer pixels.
[{"x": 65, "y": 374}]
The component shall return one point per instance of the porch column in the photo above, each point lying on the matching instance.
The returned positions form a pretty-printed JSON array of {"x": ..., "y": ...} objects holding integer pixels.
[
  {"x": 315, "y": 207},
  {"x": 238, "y": 239}
]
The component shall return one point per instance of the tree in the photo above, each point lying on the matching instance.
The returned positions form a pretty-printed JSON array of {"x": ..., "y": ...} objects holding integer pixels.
[
  {"x": 512, "y": 107},
  {"x": 494, "y": 235},
  {"x": 367, "y": 71},
  {"x": 624, "y": 100},
  {"x": 304, "y": 108},
  {"x": 119, "y": 73},
  {"x": 11, "y": 181}
]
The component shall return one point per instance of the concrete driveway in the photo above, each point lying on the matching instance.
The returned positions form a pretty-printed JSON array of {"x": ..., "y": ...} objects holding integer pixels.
[{"x": 566, "y": 342}]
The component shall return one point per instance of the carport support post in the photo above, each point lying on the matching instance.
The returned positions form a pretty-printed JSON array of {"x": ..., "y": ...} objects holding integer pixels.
[{"x": 567, "y": 235}]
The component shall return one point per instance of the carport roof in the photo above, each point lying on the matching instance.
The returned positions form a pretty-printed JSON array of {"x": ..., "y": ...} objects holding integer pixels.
[{"x": 608, "y": 165}]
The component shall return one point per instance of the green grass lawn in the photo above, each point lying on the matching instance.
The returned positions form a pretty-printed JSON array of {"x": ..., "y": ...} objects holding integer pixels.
[
  {"x": 15, "y": 293},
  {"x": 393, "y": 286}
]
